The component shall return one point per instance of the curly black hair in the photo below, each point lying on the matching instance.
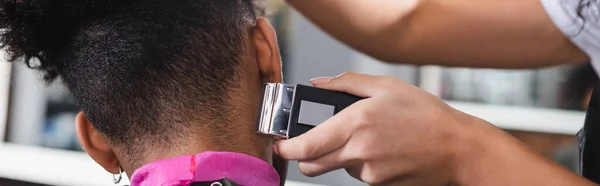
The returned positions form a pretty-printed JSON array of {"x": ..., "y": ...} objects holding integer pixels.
[{"x": 140, "y": 70}]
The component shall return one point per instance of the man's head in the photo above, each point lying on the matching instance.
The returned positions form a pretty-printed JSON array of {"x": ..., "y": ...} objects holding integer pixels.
[{"x": 154, "y": 78}]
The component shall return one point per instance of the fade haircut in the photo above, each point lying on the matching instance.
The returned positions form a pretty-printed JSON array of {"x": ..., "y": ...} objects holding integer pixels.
[{"x": 142, "y": 71}]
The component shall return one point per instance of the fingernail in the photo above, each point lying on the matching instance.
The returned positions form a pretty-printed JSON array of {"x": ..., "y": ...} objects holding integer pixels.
[
  {"x": 275, "y": 149},
  {"x": 320, "y": 80}
]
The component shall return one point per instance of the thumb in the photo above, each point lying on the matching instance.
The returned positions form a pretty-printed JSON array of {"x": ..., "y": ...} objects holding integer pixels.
[
  {"x": 361, "y": 85},
  {"x": 319, "y": 141}
]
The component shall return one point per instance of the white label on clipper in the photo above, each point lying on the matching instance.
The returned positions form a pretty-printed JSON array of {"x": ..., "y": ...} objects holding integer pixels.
[{"x": 312, "y": 113}]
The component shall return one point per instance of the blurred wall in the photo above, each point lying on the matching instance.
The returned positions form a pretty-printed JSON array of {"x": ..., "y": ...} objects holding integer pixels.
[{"x": 315, "y": 54}]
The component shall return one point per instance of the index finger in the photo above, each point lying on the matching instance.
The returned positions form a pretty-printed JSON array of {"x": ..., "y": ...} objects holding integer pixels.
[
  {"x": 319, "y": 141},
  {"x": 361, "y": 85}
]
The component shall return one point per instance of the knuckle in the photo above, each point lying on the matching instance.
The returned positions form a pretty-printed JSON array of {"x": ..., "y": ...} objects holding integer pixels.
[
  {"x": 371, "y": 179},
  {"x": 366, "y": 117},
  {"x": 360, "y": 155},
  {"x": 362, "y": 151},
  {"x": 304, "y": 170},
  {"x": 370, "y": 176},
  {"x": 307, "y": 150}
]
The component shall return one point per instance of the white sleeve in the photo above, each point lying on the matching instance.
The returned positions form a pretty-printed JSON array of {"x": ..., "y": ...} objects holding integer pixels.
[{"x": 580, "y": 23}]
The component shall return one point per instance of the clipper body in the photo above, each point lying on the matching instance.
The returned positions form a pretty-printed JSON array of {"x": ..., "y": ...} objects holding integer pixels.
[{"x": 290, "y": 110}]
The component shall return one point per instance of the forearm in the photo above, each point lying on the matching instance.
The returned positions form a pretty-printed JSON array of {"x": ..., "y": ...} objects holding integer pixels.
[
  {"x": 497, "y": 159},
  {"x": 491, "y": 33},
  {"x": 369, "y": 26},
  {"x": 485, "y": 33}
]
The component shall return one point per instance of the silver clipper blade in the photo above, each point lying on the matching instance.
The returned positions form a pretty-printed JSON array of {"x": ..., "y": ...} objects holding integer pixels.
[{"x": 275, "y": 110}]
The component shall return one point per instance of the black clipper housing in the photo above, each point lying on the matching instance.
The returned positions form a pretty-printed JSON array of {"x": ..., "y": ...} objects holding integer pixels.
[{"x": 288, "y": 111}]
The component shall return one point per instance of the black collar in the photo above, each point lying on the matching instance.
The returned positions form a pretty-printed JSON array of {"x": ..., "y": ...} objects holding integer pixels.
[{"x": 221, "y": 182}]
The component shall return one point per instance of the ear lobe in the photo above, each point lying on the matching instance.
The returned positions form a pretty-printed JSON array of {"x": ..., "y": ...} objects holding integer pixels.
[
  {"x": 95, "y": 144},
  {"x": 267, "y": 51}
]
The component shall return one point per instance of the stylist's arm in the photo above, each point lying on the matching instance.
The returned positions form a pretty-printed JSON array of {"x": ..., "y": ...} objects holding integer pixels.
[
  {"x": 401, "y": 135},
  {"x": 469, "y": 33}
]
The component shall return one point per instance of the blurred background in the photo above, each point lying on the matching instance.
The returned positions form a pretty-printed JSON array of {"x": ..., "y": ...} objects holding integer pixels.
[{"x": 541, "y": 107}]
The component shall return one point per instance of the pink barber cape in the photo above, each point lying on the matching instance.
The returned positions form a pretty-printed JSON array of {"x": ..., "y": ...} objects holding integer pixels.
[{"x": 205, "y": 167}]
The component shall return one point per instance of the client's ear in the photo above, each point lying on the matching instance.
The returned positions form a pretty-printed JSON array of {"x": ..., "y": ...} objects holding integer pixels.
[
  {"x": 95, "y": 144},
  {"x": 267, "y": 51}
]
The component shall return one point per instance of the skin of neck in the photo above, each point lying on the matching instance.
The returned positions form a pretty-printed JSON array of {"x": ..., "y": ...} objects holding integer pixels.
[
  {"x": 244, "y": 101},
  {"x": 243, "y": 139},
  {"x": 246, "y": 142}
]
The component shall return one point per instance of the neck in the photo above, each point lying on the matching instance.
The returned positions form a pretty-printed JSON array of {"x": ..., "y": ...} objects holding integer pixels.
[
  {"x": 239, "y": 135},
  {"x": 250, "y": 144}
]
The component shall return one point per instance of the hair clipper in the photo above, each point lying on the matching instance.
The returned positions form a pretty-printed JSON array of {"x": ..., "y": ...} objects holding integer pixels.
[{"x": 288, "y": 111}]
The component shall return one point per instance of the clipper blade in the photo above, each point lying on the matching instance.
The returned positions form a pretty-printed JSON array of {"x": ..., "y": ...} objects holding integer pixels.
[{"x": 274, "y": 114}]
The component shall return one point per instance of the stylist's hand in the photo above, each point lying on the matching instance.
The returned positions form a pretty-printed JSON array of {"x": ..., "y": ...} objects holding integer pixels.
[{"x": 399, "y": 135}]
